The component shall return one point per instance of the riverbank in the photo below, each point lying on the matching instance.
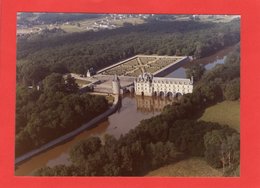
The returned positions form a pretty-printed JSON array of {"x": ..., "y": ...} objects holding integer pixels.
[
  {"x": 129, "y": 114},
  {"x": 70, "y": 135}
]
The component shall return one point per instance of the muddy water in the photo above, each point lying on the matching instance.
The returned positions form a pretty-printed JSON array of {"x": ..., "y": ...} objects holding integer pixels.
[
  {"x": 208, "y": 62},
  {"x": 131, "y": 112}
]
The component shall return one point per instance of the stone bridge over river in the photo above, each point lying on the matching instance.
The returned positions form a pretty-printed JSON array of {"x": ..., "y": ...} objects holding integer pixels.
[{"x": 147, "y": 85}]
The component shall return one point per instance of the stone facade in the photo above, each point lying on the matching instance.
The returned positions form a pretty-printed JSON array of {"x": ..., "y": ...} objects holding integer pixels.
[
  {"x": 90, "y": 72},
  {"x": 147, "y": 85},
  {"x": 116, "y": 85}
]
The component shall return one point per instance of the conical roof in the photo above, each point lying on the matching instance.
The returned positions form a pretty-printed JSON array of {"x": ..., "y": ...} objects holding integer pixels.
[{"x": 115, "y": 78}]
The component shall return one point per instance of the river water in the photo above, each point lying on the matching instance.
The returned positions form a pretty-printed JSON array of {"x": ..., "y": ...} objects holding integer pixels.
[
  {"x": 208, "y": 62},
  {"x": 133, "y": 109}
]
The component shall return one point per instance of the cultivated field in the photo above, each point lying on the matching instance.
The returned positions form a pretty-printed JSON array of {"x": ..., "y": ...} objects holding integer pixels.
[
  {"x": 193, "y": 167},
  {"x": 227, "y": 112},
  {"x": 140, "y": 64},
  {"x": 80, "y": 25}
]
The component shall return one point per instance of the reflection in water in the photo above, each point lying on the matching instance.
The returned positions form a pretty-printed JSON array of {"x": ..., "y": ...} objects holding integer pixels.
[
  {"x": 152, "y": 104},
  {"x": 58, "y": 154},
  {"x": 208, "y": 62},
  {"x": 132, "y": 110},
  {"x": 213, "y": 64},
  {"x": 127, "y": 117}
]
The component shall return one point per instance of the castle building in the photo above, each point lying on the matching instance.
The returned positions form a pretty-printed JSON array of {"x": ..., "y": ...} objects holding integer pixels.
[{"x": 147, "y": 85}]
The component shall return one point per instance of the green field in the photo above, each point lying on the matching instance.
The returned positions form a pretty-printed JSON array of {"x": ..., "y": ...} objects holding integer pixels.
[
  {"x": 83, "y": 24},
  {"x": 134, "y": 21},
  {"x": 227, "y": 112},
  {"x": 187, "y": 168}
]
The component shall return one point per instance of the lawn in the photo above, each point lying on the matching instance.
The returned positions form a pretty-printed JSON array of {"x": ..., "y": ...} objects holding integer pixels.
[
  {"x": 227, "y": 112},
  {"x": 82, "y": 82},
  {"x": 187, "y": 168},
  {"x": 71, "y": 28},
  {"x": 134, "y": 21}
]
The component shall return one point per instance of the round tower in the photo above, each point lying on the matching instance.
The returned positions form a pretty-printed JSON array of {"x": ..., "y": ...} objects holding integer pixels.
[
  {"x": 116, "y": 85},
  {"x": 191, "y": 80}
]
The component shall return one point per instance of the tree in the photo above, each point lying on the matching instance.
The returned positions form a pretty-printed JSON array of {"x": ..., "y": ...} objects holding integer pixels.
[
  {"x": 212, "y": 142},
  {"x": 111, "y": 169},
  {"x": 59, "y": 68},
  {"x": 71, "y": 85},
  {"x": 52, "y": 110},
  {"x": 32, "y": 74},
  {"x": 232, "y": 90},
  {"x": 211, "y": 91},
  {"x": 161, "y": 153},
  {"x": 79, "y": 153},
  {"x": 54, "y": 83},
  {"x": 222, "y": 149},
  {"x": 59, "y": 170},
  {"x": 164, "y": 37},
  {"x": 196, "y": 71}
]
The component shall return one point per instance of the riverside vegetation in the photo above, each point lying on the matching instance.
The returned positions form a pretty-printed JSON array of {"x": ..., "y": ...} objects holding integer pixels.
[
  {"x": 58, "y": 108},
  {"x": 172, "y": 136},
  {"x": 39, "y": 56},
  {"x": 54, "y": 110}
]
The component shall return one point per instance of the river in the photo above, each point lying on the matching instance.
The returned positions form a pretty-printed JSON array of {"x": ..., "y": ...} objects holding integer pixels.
[
  {"x": 131, "y": 112},
  {"x": 208, "y": 62}
]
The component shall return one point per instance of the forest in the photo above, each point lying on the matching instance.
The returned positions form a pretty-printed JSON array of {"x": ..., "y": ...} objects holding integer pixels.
[
  {"x": 57, "y": 107},
  {"x": 172, "y": 136},
  {"x": 39, "y": 56},
  {"x": 52, "y": 111}
]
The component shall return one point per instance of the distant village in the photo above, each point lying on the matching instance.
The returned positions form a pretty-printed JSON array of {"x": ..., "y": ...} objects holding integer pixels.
[{"x": 106, "y": 22}]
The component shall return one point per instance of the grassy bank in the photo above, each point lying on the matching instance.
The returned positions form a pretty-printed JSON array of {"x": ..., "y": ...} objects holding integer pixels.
[
  {"x": 193, "y": 167},
  {"x": 227, "y": 112}
]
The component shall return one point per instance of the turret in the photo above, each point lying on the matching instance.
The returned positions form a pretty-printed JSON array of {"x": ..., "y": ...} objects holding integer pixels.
[
  {"x": 116, "y": 85},
  {"x": 191, "y": 80},
  {"x": 88, "y": 74}
]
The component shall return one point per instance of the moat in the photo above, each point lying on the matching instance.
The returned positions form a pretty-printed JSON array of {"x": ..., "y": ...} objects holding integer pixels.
[{"x": 131, "y": 112}]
